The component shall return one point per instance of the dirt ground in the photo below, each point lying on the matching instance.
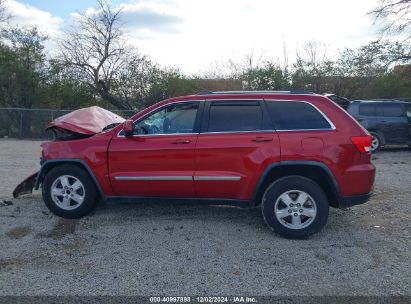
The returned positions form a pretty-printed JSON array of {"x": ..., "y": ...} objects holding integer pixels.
[{"x": 163, "y": 249}]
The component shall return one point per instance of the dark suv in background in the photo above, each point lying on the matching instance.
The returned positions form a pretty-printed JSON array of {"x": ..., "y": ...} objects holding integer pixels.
[{"x": 388, "y": 121}]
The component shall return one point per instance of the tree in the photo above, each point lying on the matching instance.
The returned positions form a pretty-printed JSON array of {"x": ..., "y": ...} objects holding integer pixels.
[
  {"x": 132, "y": 82},
  {"x": 312, "y": 68},
  {"x": 94, "y": 46},
  {"x": 395, "y": 16},
  {"x": 393, "y": 84},
  {"x": 22, "y": 71},
  {"x": 170, "y": 83},
  {"x": 4, "y": 16},
  {"x": 268, "y": 76},
  {"x": 66, "y": 89}
]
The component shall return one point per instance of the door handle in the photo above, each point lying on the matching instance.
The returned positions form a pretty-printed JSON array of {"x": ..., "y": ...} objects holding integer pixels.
[
  {"x": 261, "y": 139},
  {"x": 181, "y": 141}
]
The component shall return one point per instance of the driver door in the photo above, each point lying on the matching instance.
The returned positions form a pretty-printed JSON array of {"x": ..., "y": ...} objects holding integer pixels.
[{"x": 158, "y": 159}]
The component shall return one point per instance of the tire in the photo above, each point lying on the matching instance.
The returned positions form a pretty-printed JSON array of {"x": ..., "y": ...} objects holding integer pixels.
[
  {"x": 69, "y": 192},
  {"x": 276, "y": 206},
  {"x": 376, "y": 142}
]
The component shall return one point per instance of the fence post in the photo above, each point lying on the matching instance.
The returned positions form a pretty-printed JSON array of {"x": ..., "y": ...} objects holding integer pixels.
[{"x": 21, "y": 124}]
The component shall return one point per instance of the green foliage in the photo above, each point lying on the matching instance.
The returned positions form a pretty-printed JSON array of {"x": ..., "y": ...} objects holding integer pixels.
[
  {"x": 22, "y": 69},
  {"x": 169, "y": 83},
  {"x": 390, "y": 85},
  {"x": 28, "y": 80},
  {"x": 269, "y": 76}
]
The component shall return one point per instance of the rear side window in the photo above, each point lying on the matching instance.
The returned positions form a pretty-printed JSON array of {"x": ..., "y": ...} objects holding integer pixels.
[
  {"x": 393, "y": 110},
  {"x": 294, "y": 115},
  {"x": 368, "y": 109},
  {"x": 226, "y": 117}
]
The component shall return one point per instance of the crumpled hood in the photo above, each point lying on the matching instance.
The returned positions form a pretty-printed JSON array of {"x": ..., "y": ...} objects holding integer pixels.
[{"x": 86, "y": 121}]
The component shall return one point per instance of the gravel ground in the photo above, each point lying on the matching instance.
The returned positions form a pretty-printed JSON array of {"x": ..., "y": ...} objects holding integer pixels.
[{"x": 160, "y": 249}]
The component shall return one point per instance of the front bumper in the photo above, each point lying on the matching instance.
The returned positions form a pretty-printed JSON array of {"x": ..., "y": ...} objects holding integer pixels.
[{"x": 26, "y": 186}]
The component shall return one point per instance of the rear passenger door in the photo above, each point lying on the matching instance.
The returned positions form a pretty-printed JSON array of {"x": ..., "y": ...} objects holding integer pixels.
[
  {"x": 235, "y": 144},
  {"x": 369, "y": 116}
]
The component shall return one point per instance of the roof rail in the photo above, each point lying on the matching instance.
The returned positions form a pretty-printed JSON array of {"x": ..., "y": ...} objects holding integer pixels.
[{"x": 254, "y": 92}]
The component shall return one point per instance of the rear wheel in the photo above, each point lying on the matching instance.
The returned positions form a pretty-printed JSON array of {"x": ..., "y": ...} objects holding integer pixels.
[
  {"x": 376, "y": 142},
  {"x": 295, "y": 207},
  {"x": 69, "y": 192}
]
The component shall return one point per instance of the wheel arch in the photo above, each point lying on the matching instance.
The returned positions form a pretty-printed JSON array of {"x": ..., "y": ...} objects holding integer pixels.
[
  {"x": 380, "y": 135},
  {"x": 313, "y": 170},
  {"x": 50, "y": 164}
]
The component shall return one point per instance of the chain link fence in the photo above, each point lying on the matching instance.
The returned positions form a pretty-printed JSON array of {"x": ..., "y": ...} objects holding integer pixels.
[{"x": 31, "y": 123}]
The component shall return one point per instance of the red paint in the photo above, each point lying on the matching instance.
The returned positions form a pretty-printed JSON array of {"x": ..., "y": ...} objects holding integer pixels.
[{"x": 156, "y": 155}]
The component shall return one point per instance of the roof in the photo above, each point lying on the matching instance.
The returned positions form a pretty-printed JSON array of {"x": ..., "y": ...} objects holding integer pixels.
[
  {"x": 381, "y": 101},
  {"x": 254, "y": 92}
]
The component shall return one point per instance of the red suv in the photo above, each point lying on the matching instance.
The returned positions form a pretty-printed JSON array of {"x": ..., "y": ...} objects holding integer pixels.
[{"x": 294, "y": 153}]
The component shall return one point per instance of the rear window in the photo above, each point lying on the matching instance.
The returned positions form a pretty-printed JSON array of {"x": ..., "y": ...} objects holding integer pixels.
[
  {"x": 408, "y": 112},
  {"x": 225, "y": 117},
  {"x": 294, "y": 115}
]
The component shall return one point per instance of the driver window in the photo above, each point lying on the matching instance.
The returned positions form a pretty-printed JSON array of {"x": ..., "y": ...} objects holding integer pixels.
[{"x": 178, "y": 118}]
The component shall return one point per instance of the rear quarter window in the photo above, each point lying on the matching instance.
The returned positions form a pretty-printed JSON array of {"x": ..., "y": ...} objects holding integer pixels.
[
  {"x": 296, "y": 115},
  {"x": 408, "y": 112}
]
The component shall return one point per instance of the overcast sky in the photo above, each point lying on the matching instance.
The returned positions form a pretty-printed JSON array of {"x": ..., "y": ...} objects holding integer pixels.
[{"x": 194, "y": 34}]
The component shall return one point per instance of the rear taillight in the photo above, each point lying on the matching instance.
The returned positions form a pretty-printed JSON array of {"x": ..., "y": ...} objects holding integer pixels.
[{"x": 363, "y": 143}]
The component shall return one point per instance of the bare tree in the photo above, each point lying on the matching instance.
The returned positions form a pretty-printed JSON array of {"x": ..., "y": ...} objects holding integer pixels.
[
  {"x": 312, "y": 67},
  {"x": 94, "y": 45},
  {"x": 4, "y": 16},
  {"x": 395, "y": 16}
]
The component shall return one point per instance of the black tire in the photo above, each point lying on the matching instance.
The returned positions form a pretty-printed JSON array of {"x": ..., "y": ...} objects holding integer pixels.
[
  {"x": 286, "y": 185},
  {"x": 88, "y": 191},
  {"x": 375, "y": 138}
]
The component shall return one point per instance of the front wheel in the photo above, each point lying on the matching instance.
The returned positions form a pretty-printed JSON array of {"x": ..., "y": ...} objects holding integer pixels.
[
  {"x": 69, "y": 192},
  {"x": 295, "y": 207}
]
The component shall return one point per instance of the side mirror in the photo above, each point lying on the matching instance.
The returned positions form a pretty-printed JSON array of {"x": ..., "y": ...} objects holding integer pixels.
[{"x": 128, "y": 127}]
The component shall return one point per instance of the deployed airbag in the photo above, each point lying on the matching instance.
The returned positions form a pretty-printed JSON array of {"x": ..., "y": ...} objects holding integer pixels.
[{"x": 87, "y": 121}]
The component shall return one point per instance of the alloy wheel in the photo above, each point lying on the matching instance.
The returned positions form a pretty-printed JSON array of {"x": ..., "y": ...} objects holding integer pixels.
[
  {"x": 295, "y": 209},
  {"x": 375, "y": 143},
  {"x": 67, "y": 192}
]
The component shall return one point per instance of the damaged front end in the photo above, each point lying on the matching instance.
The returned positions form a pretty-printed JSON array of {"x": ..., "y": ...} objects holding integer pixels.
[
  {"x": 79, "y": 124},
  {"x": 26, "y": 186},
  {"x": 84, "y": 123}
]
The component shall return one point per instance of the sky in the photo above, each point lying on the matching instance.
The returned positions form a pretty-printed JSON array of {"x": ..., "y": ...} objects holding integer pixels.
[{"x": 196, "y": 35}]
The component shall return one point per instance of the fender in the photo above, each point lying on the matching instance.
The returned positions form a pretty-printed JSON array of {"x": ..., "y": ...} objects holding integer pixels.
[
  {"x": 51, "y": 163},
  {"x": 297, "y": 163}
]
